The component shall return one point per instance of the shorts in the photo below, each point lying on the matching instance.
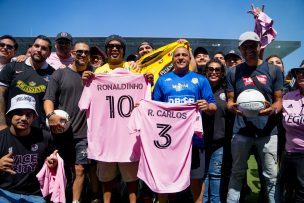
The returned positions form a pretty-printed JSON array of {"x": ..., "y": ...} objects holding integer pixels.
[
  {"x": 199, "y": 172},
  {"x": 81, "y": 154},
  {"x": 107, "y": 171}
]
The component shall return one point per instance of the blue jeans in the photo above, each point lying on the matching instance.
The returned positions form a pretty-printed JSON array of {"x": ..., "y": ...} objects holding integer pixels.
[
  {"x": 10, "y": 197},
  {"x": 267, "y": 151},
  {"x": 213, "y": 176}
]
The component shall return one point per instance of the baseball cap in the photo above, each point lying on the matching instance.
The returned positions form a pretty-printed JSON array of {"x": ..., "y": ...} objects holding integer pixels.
[
  {"x": 117, "y": 38},
  {"x": 98, "y": 51},
  {"x": 64, "y": 35},
  {"x": 200, "y": 50},
  {"x": 233, "y": 53},
  {"x": 248, "y": 36},
  {"x": 23, "y": 101}
]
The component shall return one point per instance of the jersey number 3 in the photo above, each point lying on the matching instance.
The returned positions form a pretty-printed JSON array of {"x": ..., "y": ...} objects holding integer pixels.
[{"x": 163, "y": 133}]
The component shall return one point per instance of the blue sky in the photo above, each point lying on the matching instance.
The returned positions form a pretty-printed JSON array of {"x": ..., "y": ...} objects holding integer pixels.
[{"x": 224, "y": 19}]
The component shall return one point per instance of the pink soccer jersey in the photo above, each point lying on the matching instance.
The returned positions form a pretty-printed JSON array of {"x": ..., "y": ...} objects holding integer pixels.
[
  {"x": 165, "y": 133},
  {"x": 108, "y": 100}
]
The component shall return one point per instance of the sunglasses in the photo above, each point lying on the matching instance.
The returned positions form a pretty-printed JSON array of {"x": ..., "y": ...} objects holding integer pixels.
[
  {"x": 8, "y": 46},
  {"x": 117, "y": 46},
  {"x": 212, "y": 69},
  {"x": 80, "y": 52}
]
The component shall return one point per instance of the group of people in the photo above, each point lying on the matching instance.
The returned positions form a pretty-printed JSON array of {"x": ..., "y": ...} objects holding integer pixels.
[{"x": 34, "y": 85}]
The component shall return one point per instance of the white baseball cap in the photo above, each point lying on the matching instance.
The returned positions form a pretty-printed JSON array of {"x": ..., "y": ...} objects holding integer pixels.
[
  {"x": 248, "y": 36},
  {"x": 23, "y": 101}
]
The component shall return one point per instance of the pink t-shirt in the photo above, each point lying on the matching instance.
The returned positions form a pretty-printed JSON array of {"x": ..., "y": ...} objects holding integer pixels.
[
  {"x": 164, "y": 132},
  {"x": 54, "y": 61},
  {"x": 263, "y": 28},
  {"x": 108, "y": 100},
  {"x": 293, "y": 121}
]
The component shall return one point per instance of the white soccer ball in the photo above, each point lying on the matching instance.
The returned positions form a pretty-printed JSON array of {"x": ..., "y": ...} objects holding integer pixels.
[
  {"x": 250, "y": 102},
  {"x": 65, "y": 122}
]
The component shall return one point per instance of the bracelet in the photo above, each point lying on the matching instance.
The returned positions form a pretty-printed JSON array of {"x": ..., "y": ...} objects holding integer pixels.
[{"x": 50, "y": 114}]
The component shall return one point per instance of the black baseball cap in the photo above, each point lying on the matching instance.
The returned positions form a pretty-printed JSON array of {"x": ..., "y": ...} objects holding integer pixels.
[
  {"x": 200, "y": 50},
  {"x": 64, "y": 35}
]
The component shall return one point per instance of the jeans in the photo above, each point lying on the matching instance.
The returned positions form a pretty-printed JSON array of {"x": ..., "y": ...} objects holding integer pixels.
[
  {"x": 10, "y": 197},
  {"x": 213, "y": 176},
  {"x": 292, "y": 177},
  {"x": 267, "y": 151}
]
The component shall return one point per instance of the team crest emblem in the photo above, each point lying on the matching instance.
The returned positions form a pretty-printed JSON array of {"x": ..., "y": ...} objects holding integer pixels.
[
  {"x": 222, "y": 96},
  {"x": 34, "y": 147},
  {"x": 32, "y": 83},
  {"x": 194, "y": 80},
  {"x": 64, "y": 34}
]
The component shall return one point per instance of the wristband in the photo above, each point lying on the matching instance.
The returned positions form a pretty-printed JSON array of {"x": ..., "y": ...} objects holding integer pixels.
[{"x": 50, "y": 114}]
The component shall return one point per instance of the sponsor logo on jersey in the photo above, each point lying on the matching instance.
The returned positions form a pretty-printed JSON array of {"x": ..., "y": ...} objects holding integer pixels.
[
  {"x": 179, "y": 87},
  {"x": 30, "y": 88},
  {"x": 194, "y": 80},
  {"x": 296, "y": 119},
  {"x": 182, "y": 99},
  {"x": 168, "y": 79},
  {"x": 290, "y": 106}
]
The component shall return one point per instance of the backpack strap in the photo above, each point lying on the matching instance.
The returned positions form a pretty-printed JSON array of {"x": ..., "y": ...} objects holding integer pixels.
[{"x": 234, "y": 75}]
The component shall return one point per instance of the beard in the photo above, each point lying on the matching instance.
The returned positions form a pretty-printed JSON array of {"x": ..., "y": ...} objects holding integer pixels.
[{"x": 38, "y": 58}]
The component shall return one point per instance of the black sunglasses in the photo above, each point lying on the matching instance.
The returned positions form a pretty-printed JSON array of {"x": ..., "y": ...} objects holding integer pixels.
[
  {"x": 80, "y": 52},
  {"x": 212, "y": 69},
  {"x": 117, "y": 46},
  {"x": 8, "y": 46}
]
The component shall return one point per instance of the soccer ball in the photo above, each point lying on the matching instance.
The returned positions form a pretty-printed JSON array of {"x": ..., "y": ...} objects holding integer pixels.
[
  {"x": 250, "y": 102},
  {"x": 65, "y": 122}
]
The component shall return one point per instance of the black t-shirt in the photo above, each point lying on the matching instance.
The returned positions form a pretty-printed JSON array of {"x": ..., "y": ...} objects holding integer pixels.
[
  {"x": 29, "y": 154},
  {"x": 23, "y": 79},
  {"x": 238, "y": 80},
  {"x": 65, "y": 89}
]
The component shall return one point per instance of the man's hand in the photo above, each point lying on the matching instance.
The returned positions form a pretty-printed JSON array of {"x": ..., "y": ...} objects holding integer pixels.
[
  {"x": 52, "y": 161},
  {"x": 203, "y": 105},
  {"x": 268, "y": 110},
  {"x": 21, "y": 58},
  {"x": 57, "y": 123},
  {"x": 135, "y": 66},
  {"x": 184, "y": 41},
  {"x": 255, "y": 11},
  {"x": 6, "y": 164},
  {"x": 87, "y": 75},
  {"x": 233, "y": 107},
  {"x": 149, "y": 78}
]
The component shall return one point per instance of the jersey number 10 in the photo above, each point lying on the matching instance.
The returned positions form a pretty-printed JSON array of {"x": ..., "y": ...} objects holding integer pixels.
[{"x": 120, "y": 102}]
